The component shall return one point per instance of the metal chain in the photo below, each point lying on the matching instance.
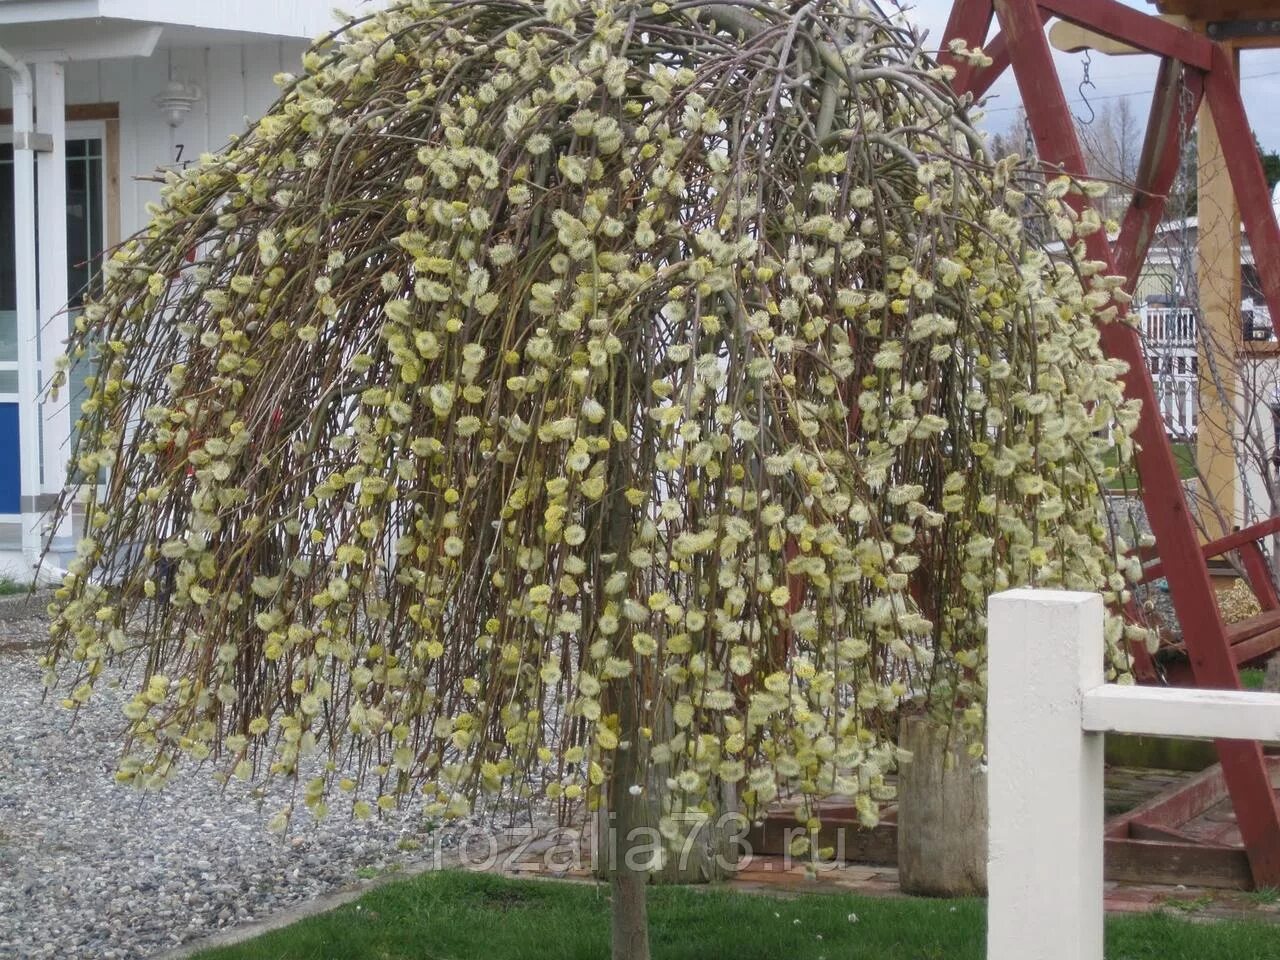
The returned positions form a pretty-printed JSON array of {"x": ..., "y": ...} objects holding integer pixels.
[
  {"x": 1184, "y": 292},
  {"x": 1086, "y": 82}
]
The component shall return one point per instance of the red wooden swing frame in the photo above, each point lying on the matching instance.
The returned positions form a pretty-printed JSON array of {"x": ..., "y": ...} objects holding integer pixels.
[{"x": 1192, "y": 63}]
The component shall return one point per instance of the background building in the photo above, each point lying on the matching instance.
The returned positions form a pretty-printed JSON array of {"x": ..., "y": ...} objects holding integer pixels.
[{"x": 96, "y": 96}]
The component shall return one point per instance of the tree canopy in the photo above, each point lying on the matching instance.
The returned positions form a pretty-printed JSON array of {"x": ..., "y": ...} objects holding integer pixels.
[{"x": 560, "y": 382}]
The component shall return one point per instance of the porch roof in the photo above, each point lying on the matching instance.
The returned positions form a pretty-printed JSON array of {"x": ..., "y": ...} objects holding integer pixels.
[
  {"x": 104, "y": 29},
  {"x": 1220, "y": 9}
]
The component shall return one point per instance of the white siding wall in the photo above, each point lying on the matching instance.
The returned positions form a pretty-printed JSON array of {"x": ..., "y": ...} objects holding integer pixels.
[
  {"x": 1260, "y": 385},
  {"x": 237, "y": 86}
]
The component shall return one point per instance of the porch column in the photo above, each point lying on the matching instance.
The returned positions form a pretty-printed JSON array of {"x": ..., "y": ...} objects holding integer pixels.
[
  {"x": 55, "y": 416},
  {"x": 24, "y": 258},
  {"x": 1219, "y": 343}
]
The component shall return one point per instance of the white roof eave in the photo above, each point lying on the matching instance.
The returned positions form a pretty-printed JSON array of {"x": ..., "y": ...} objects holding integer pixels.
[{"x": 278, "y": 19}]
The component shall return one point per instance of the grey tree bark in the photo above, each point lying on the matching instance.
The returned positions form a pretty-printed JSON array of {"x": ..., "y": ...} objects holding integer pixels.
[
  {"x": 628, "y": 839},
  {"x": 942, "y": 814}
]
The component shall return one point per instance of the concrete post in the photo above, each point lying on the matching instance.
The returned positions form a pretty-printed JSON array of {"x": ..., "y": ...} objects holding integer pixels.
[
  {"x": 1044, "y": 783},
  {"x": 55, "y": 416},
  {"x": 24, "y": 261},
  {"x": 942, "y": 813}
]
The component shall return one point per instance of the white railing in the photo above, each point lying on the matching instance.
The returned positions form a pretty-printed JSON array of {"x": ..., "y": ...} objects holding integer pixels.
[
  {"x": 1179, "y": 402},
  {"x": 1167, "y": 327},
  {"x": 1048, "y": 707},
  {"x": 1169, "y": 340}
]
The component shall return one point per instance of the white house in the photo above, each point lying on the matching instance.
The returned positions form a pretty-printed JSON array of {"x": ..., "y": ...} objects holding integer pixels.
[
  {"x": 1168, "y": 314},
  {"x": 95, "y": 97}
]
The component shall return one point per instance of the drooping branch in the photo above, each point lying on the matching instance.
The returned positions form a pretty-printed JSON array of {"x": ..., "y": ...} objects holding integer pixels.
[{"x": 482, "y": 262}]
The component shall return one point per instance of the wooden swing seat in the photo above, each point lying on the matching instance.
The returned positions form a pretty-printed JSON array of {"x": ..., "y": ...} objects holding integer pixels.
[
  {"x": 1250, "y": 640},
  {"x": 1193, "y": 70}
]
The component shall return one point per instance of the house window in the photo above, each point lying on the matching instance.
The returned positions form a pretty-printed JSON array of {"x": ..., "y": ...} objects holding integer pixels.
[
  {"x": 10, "y": 469},
  {"x": 85, "y": 241},
  {"x": 84, "y": 249},
  {"x": 8, "y": 270},
  {"x": 84, "y": 218}
]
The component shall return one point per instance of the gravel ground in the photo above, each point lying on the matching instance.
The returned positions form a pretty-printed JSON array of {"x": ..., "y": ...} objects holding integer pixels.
[
  {"x": 89, "y": 868},
  {"x": 1130, "y": 517}
]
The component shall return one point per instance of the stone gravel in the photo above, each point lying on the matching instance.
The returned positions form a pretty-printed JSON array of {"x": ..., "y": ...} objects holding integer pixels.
[
  {"x": 90, "y": 868},
  {"x": 1129, "y": 515}
]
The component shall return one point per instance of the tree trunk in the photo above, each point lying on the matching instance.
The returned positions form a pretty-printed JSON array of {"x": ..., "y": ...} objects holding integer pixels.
[
  {"x": 942, "y": 814},
  {"x": 627, "y": 840},
  {"x": 711, "y": 854},
  {"x": 628, "y": 844}
]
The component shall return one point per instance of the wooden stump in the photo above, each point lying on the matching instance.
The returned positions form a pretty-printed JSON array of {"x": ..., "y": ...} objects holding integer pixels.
[{"x": 942, "y": 814}]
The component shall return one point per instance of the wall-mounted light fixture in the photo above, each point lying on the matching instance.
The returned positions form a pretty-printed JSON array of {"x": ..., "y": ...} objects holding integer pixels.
[{"x": 176, "y": 100}]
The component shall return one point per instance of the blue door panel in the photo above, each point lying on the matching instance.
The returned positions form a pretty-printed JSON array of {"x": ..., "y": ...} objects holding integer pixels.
[{"x": 10, "y": 474}]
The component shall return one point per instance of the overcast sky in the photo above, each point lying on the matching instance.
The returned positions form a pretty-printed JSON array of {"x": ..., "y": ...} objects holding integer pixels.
[{"x": 1131, "y": 77}]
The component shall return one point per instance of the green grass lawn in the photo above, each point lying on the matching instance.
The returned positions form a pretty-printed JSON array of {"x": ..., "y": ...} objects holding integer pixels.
[
  {"x": 460, "y": 916},
  {"x": 1184, "y": 455},
  {"x": 10, "y": 587},
  {"x": 1252, "y": 678}
]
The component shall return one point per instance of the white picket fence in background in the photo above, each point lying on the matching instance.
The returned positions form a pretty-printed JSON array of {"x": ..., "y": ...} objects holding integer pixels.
[
  {"x": 1048, "y": 708},
  {"x": 1179, "y": 403},
  {"x": 1169, "y": 341}
]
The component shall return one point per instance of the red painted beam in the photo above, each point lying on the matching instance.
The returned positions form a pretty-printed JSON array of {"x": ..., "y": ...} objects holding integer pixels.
[
  {"x": 1174, "y": 805},
  {"x": 1238, "y": 538},
  {"x": 969, "y": 21},
  {"x": 1138, "y": 29},
  {"x": 1173, "y": 112},
  {"x": 1222, "y": 93},
  {"x": 1171, "y": 522},
  {"x": 1216, "y": 548},
  {"x": 981, "y": 78},
  {"x": 968, "y": 78},
  {"x": 1256, "y": 647},
  {"x": 1259, "y": 574},
  {"x": 998, "y": 50}
]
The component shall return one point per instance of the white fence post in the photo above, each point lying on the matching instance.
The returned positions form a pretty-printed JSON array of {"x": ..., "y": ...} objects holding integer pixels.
[{"x": 1044, "y": 867}]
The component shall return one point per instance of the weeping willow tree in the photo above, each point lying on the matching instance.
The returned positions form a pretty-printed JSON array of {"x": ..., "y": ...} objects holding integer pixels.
[{"x": 563, "y": 393}]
